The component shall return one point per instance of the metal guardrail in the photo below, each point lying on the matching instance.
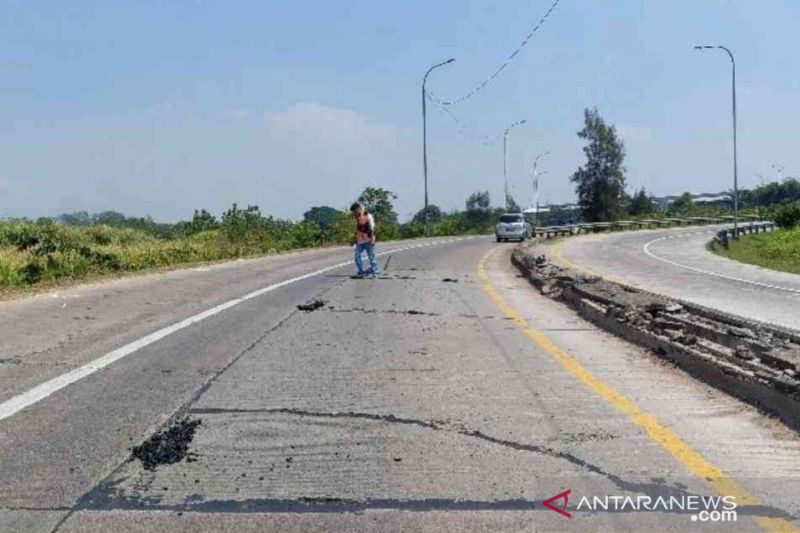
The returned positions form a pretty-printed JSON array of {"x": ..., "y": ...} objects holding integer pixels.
[
  {"x": 723, "y": 236},
  {"x": 592, "y": 227}
]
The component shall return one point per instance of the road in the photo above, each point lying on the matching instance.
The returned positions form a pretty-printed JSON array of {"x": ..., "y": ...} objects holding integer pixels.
[
  {"x": 446, "y": 395},
  {"x": 676, "y": 263}
]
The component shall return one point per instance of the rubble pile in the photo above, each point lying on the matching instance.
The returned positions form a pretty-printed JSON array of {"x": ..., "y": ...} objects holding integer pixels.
[{"x": 754, "y": 361}]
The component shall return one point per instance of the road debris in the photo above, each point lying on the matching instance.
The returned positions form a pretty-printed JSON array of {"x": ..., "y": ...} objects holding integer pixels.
[
  {"x": 311, "y": 306},
  {"x": 168, "y": 446}
]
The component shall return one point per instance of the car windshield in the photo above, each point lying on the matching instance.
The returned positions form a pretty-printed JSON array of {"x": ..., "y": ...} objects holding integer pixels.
[{"x": 511, "y": 218}]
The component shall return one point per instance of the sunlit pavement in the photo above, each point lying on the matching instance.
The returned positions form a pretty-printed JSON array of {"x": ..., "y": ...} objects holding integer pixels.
[{"x": 404, "y": 403}]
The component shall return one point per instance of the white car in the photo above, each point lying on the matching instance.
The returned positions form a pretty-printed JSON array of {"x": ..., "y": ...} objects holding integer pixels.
[{"x": 512, "y": 226}]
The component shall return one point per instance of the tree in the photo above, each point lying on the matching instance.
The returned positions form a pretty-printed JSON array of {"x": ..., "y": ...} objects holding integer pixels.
[
  {"x": 600, "y": 184},
  {"x": 787, "y": 216},
  {"x": 110, "y": 218},
  {"x": 478, "y": 200},
  {"x": 378, "y": 201},
  {"x": 323, "y": 216},
  {"x": 683, "y": 204},
  {"x": 478, "y": 214},
  {"x": 434, "y": 215},
  {"x": 78, "y": 218},
  {"x": 641, "y": 203},
  {"x": 512, "y": 205},
  {"x": 238, "y": 223},
  {"x": 775, "y": 192},
  {"x": 202, "y": 221}
]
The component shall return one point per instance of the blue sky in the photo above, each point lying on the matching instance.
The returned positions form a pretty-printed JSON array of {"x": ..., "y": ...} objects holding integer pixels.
[{"x": 159, "y": 108}]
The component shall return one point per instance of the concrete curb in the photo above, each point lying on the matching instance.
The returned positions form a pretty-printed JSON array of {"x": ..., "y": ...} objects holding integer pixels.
[{"x": 752, "y": 361}]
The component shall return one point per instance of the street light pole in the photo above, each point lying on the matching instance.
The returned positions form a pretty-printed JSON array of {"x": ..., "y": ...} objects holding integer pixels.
[
  {"x": 425, "y": 138},
  {"x": 735, "y": 170},
  {"x": 505, "y": 152},
  {"x": 536, "y": 183}
]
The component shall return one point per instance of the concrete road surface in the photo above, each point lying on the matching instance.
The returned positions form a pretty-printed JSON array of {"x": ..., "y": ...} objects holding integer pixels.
[
  {"x": 676, "y": 263},
  {"x": 446, "y": 395}
]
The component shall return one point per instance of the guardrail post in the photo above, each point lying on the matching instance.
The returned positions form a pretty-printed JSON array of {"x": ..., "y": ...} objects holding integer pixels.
[{"x": 722, "y": 237}]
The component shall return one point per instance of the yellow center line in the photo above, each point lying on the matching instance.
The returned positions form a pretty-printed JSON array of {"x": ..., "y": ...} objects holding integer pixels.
[{"x": 689, "y": 458}]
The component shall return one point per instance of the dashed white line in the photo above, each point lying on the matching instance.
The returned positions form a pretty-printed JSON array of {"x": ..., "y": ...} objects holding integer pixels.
[
  {"x": 40, "y": 392},
  {"x": 646, "y": 249}
]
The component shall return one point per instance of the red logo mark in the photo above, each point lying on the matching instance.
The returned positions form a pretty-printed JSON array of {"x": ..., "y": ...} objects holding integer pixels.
[{"x": 560, "y": 496}]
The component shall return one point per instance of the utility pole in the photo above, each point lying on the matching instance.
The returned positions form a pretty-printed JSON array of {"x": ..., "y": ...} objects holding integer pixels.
[
  {"x": 536, "y": 182},
  {"x": 505, "y": 162}
]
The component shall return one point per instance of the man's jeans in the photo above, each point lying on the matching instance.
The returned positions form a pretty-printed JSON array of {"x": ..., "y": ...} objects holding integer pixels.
[{"x": 373, "y": 264}]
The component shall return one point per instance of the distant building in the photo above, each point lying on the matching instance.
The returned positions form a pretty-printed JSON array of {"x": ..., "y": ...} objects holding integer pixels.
[
  {"x": 552, "y": 207},
  {"x": 701, "y": 198}
]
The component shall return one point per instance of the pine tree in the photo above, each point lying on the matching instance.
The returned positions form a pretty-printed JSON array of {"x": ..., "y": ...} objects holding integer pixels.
[{"x": 600, "y": 183}]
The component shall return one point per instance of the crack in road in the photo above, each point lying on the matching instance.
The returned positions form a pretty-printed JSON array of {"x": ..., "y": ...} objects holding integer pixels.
[
  {"x": 196, "y": 503},
  {"x": 651, "y": 489},
  {"x": 412, "y": 312},
  {"x": 105, "y": 497},
  {"x": 381, "y": 311}
]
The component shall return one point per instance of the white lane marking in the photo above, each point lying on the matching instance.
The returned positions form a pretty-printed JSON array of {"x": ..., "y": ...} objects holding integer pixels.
[
  {"x": 646, "y": 249},
  {"x": 40, "y": 392}
]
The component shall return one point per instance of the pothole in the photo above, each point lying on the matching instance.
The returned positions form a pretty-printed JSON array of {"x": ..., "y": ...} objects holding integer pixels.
[{"x": 168, "y": 446}]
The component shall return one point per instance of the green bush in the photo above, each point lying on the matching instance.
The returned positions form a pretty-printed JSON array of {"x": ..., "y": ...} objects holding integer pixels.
[
  {"x": 385, "y": 231},
  {"x": 40, "y": 238},
  {"x": 412, "y": 230},
  {"x": 304, "y": 235},
  {"x": 242, "y": 224},
  {"x": 777, "y": 250},
  {"x": 340, "y": 231},
  {"x": 787, "y": 216},
  {"x": 53, "y": 250}
]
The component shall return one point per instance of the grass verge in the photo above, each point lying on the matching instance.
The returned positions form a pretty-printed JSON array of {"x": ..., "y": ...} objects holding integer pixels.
[{"x": 777, "y": 250}]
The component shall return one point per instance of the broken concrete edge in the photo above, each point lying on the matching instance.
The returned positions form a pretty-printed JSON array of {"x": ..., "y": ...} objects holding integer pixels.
[{"x": 756, "y": 362}]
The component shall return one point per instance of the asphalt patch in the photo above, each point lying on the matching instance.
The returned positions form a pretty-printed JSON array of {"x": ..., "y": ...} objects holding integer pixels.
[
  {"x": 450, "y": 280},
  {"x": 168, "y": 446},
  {"x": 311, "y": 306}
]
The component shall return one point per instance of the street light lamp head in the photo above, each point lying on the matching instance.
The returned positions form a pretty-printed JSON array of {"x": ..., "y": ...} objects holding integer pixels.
[{"x": 449, "y": 60}]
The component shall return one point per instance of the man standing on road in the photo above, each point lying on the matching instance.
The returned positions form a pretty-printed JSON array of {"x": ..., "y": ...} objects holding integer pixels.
[{"x": 364, "y": 240}]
